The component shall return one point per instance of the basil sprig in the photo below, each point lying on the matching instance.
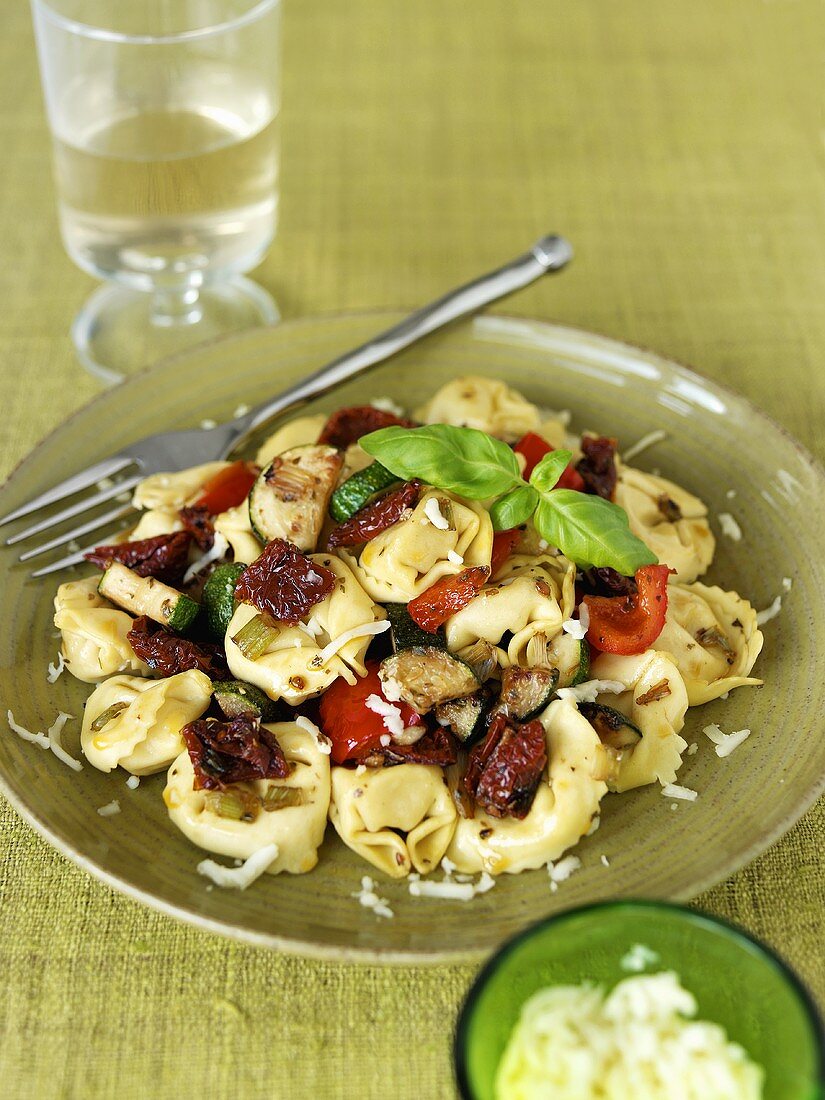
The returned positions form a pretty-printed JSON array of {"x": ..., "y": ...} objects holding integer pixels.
[{"x": 587, "y": 529}]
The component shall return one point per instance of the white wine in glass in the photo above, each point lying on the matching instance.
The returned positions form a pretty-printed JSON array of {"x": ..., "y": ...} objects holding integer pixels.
[{"x": 166, "y": 166}]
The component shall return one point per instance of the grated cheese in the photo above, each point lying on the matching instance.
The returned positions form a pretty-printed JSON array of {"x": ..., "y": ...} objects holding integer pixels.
[
  {"x": 594, "y": 824},
  {"x": 33, "y": 738},
  {"x": 605, "y": 861},
  {"x": 577, "y": 628},
  {"x": 693, "y": 748},
  {"x": 55, "y": 670},
  {"x": 673, "y": 790},
  {"x": 387, "y": 405},
  {"x": 390, "y": 715},
  {"x": 133, "y": 782},
  {"x": 561, "y": 871},
  {"x": 787, "y": 584},
  {"x": 769, "y": 613},
  {"x": 110, "y": 809},
  {"x": 241, "y": 410},
  {"x": 321, "y": 740},
  {"x": 238, "y": 878},
  {"x": 642, "y": 445},
  {"x": 218, "y": 550},
  {"x": 48, "y": 740},
  {"x": 364, "y": 631},
  {"x": 730, "y": 494},
  {"x": 311, "y": 627},
  {"x": 208, "y": 423},
  {"x": 455, "y": 558},
  {"x": 452, "y": 890},
  {"x": 433, "y": 514},
  {"x": 370, "y": 900},
  {"x": 590, "y": 689},
  {"x": 638, "y": 957},
  {"x": 725, "y": 743},
  {"x": 729, "y": 526}
]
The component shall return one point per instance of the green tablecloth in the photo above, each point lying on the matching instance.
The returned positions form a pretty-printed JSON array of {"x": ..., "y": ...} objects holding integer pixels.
[{"x": 681, "y": 147}]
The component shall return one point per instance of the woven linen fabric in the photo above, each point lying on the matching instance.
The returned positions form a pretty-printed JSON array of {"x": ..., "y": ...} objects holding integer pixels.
[{"x": 681, "y": 148}]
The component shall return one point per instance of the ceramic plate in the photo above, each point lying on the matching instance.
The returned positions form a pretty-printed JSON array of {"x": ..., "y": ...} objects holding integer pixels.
[{"x": 717, "y": 444}]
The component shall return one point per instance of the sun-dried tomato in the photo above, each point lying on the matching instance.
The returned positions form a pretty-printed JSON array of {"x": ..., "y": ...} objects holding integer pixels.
[
  {"x": 435, "y": 747},
  {"x": 169, "y": 654},
  {"x": 197, "y": 520},
  {"x": 605, "y": 581},
  {"x": 375, "y": 517},
  {"x": 232, "y": 752},
  {"x": 346, "y": 426},
  {"x": 164, "y": 556},
  {"x": 598, "y": 466},
  {"x": 504, "y": 770},
  {"x": 449, "y": 594},
  {"x": 284, "y": 583},
  {"x": 504, "y": 543}
]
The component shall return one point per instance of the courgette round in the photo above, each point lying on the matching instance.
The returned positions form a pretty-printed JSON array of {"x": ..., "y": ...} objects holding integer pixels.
[
  {"x": 236, "y": 698},
  {"x": 424, "y": 676},
  {"x": 218, "y": 597},
  {"x": 614, "y": 729},
  {"x": 289, "y": 499},
  {"x": 358, "y": 490},
  {"x": 525, "y": 692}
]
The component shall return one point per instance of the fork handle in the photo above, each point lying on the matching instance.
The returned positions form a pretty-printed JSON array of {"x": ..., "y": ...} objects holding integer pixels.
[{"x": 551, "y": 253}]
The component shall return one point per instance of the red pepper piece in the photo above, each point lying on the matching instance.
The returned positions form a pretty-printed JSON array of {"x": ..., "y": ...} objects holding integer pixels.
[
  {"x": 597, "y": 467},
  {"x": 433, "y": 607},
  {"x": 346, "y": 426},
  {"x": 375, "y": 517},
  {"x": 504, "y": 770},
  {"x": 168, "y": 654},
  {"x": 534, "y": 448},
  {"x": 197, "y": 520},
  {"x": 232, "y": 752},
  {"x": 630, "y": 624},
  {"x": 284, "y": 583},
  {"x": 504, "y": 543},
  {"x": 164, "y": 556},
  {"x": 354, "y": 729},
  {"x": 228, "y": 487}
]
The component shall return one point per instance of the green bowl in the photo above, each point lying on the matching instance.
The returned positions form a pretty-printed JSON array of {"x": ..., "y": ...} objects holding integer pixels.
[{"x": 738, "y": 983}]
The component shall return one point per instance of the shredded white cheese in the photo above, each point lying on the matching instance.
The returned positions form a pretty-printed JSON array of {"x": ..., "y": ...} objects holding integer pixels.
[
  {"x": 218, "y": 550},
  {"x": 385, "y": 740},
  {"x": 241, "y": 410},
  {"x": 594, "y": 824},
  {"x": 311, "y": 627},
  {"x": 433, "y": 514},
  {"x": 104, "y": 483},
  {"x": 590, "y": 689},
  {"x": 387, "y": 405},
  {"x": 456, "y": 559},
  {"x": 55, "y": 670},
  {"x": 133, "y": 782},
  {"x": 390, "y": 715},
  {"x": 673, "y": 790},
  {"x": 207, "y": 424},
  {"x": 577, "y": 628},
  {"x": 693, "y": 748},
  {"x": 769, "y": 613},
  {"x": 238, "y": 878},
  {"x": 642, "y": 445},
  {"x": 110, "y": 809},
  {"x": 562, "y": 870},
  {"x": 370, "y": 900},
  {"x": 725, "y": 743},
  {"x": 729, "y": 526},
  {"x": 455, "y": 891},
  {"x": 638, "y": 957},
  {"x": 33, "y": 738},
  {"x": 321, "y": 740},
  {"x": 605, "y": 861},
  {"x": 730, "y": 494},
  {"x": 363, "y": 631},
  {"x": 787, "y": 584},
  {"x": 48, "y": 740}
]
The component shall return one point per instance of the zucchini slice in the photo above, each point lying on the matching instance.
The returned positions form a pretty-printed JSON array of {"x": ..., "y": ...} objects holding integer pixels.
[
  {"x": 614, "y": 730},
  {"x": 406, "y": 633},
  {"x": 525, "y": 692},
  {"x": 424, "y": 676},
  {"x": 571, "y": 656},
  {"x": 148, "y": 596},
  {"x": 289, "y": 499},
  {"x": 218, "y": 598},
  {"x": 235, "y": 698},
  {"x": 467, "y": 717},
  {"x": 358, "y": 490}
]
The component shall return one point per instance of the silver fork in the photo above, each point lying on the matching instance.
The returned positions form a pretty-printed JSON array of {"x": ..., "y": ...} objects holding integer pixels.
[{"x": 171, "y": 451}]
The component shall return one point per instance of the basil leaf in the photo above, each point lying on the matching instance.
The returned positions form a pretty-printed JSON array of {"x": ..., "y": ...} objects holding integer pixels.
[
  {"x": 460, "y": 460},
  {"x": 547, "y": 472},
  {"x": 515, "y": 508},
  {"x": 591, "y": 531}
]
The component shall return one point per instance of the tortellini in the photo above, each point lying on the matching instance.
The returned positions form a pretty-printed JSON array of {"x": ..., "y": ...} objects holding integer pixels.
[
  {"x": 291, "y": 667},
  {"x": 172, "y": 491},
  {"x": 94, "y": 632},
  {"x": 532, "y": 596},
  {"x": 566, "y": 801},
  {"x": 656, "y": 702},
  {"x": 370, "y": 812},
  {"x": 713, "y": 637},
  {"x": 157, "y": 521},
  {"x": 403, "y": 561},
  {"x": 143, "y": 733},
  {"x": 483, "y": 403},
  {"x": 298, "y": 432},
  {"x": 236, "y": 528},
  {"x": 297, "y": 828},
  {"x": 671, "y": 521}
]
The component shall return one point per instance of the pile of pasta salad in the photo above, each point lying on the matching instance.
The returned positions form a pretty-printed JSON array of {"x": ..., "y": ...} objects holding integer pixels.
[{"x": 449, "y": 635}]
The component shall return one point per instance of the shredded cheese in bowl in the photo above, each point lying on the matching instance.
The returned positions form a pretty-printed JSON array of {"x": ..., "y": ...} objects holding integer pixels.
[{"x": 639, "y": 1042}]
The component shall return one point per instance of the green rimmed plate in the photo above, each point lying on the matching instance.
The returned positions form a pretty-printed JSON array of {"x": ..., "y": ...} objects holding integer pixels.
[{"x": 716, "y": 442}]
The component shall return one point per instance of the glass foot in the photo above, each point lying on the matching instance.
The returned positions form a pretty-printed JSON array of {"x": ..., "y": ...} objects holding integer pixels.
[{"x": 120, "y": 331}]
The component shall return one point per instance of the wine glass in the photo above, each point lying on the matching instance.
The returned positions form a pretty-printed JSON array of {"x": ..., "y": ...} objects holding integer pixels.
[{"x": 164, "y": 118}]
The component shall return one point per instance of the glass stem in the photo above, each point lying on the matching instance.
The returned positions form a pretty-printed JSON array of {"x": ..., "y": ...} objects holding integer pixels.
[{"x": 173, "y": 306}]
